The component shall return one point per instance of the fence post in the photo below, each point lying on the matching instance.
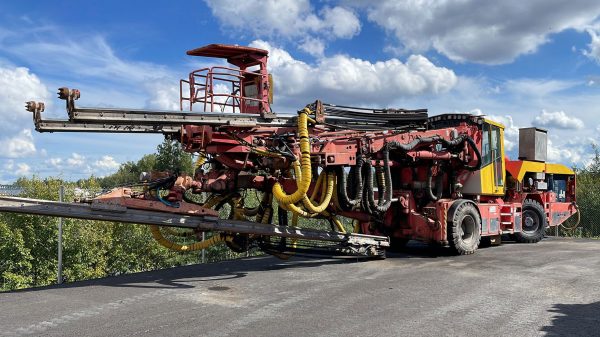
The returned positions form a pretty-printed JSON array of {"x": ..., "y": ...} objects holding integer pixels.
[
  {"x": 61, "y": 196},
  {"x": 203, "y": 250}
]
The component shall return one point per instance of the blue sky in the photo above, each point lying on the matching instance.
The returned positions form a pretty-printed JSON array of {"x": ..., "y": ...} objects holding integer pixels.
[{"x": 523, "y": 63}]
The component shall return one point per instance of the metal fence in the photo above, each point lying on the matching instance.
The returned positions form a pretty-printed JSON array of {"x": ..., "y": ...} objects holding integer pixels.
[
  {"x": 584, "y": 225},
  {"x": 10, "y": 190}
]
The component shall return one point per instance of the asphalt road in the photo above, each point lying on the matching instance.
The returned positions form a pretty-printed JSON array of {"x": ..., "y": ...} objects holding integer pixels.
[{"x": 551, "y": 288}]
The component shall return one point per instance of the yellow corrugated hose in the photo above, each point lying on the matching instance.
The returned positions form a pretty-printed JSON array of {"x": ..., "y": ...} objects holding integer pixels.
[
  {"x": 201, "y": 159},
  {"x": 163, "y": 241},
  {"x": 303, "y": 169},
  {"x": 160, "y": 238},
  {"x": 326, "y": 193}
]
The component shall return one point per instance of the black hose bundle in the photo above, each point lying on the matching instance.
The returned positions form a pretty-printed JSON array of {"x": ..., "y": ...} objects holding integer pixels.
[
  {"x": 385, "y": 192},
  {"x": 350, "y": 186},
  {"x": 450, "y": 144}
]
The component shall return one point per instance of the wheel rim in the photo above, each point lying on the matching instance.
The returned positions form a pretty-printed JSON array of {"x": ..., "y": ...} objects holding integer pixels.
[
  {"x": 467, "y": 228},
  {"x": 531, "y": 222}
]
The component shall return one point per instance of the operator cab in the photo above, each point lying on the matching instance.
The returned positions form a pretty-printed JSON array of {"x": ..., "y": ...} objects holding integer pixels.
[
  {"x": 245, "y": 88},
  {"x": 490, "y": 179}
]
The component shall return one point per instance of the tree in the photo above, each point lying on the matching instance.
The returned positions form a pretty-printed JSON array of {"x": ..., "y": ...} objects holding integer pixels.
[
  {"x": 129, "y": 172},
  {"x": 171, "y": 157}
]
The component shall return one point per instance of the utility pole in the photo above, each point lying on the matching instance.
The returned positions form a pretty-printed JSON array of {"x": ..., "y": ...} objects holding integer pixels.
[{"x": 61, "y": 196}]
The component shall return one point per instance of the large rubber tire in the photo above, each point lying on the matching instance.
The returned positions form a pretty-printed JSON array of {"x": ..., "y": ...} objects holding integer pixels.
[
  {"x": 533, "y": 226},
  {"x": 464, "y": 229}
]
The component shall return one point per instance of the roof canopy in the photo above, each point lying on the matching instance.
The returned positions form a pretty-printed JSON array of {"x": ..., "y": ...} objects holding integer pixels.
[{"x": 238, "y": 55}]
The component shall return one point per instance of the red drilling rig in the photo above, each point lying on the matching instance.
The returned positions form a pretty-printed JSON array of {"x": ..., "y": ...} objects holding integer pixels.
[{"x": 397, "y": 174}]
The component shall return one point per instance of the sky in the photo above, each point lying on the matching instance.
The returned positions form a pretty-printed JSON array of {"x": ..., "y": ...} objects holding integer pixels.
[{"x": 522, "y": 63}]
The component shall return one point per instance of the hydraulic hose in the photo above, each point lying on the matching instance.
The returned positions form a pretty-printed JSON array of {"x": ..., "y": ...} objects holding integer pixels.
[
  {"x": 160, "y": 238},
  {"x": 385, "y": 194},
  {"x": 394, "y": 145},
  {"x": 439, "y": 180},
  {"x": 349, "y": 199},
  {"x": 304, "y": 168},
  {"x": 326, "y": 194},
  {"x": 473, "y": 146},
  {"x": 201, "y": 160},
  {"x": 367, "y": 188},
  {"x": 338, "y": 224},
  {"x": 155, "y": 230}
]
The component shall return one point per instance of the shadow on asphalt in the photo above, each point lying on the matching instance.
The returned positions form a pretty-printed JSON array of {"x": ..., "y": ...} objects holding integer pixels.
[
  {"x": 187, "y": 276},
  {"x": 416, "y": 249},
  {"x": 574, "y": 320}
]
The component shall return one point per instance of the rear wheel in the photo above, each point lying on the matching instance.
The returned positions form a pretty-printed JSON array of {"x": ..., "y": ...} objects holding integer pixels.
[
  {"x": 533, "y": 227},
  {"x": 464, "y": 229}
]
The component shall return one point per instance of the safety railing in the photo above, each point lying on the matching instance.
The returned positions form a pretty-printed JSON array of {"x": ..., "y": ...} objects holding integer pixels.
[{"x": 221, "y": 89}]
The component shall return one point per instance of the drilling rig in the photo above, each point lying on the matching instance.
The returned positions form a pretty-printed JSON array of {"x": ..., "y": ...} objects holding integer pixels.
[{"x": 396, "y": 174}]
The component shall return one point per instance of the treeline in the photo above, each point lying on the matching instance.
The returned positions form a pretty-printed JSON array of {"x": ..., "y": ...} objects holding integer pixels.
[
  {"x": 91, "y": 249},
  {"x": 169, "y": 156},
  {"x": 588, "y": 201}
]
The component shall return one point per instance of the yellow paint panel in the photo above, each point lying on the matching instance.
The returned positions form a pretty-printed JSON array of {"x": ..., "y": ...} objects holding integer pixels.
[
  {"x": 490, "y": 183},
  {"x": 534, "y": 166},
  {"x": 558, "y": 169},
  {"x": 500, "y": 125},
  {"x": 488, "y": 187},
  {"x": 271, "y": 88},
  {"x": 530, "y": 166}
]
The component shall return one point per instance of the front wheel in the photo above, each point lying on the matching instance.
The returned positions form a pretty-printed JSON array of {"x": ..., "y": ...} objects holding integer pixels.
[
  {"x": 533, "y": 227},
  {"x": 464, "y": 229}
]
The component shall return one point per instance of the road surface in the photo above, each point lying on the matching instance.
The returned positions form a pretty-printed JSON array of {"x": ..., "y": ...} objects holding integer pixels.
[{"x": 551, "y": 288}]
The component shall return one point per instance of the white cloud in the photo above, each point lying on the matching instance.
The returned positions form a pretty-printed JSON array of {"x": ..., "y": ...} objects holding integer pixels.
[
  {"x": 314, "y": 47},
  {"x": 163, "y": 96},
  {"x": 89, "y": 57},
  {"x": 9, "y": 165},
  {"x": 22, "y": 169},
  {"x": 19, "y": 145},
  {"x": 18, "y": 86},
  {"x": 341, "y": 78},
  {"x": 538, "y": 87},
  {"x": 106, "y": 163},
  {"x": 558, "y": 120},
  {"x": 593, "y": 51},
  {"x": 341, "y": 21},
  {"x": 76, "y": 160},
  {"x": 286, "y": 18},
  {"x": 55, "y": 162},
  {"x": 572, "y": 152},
  {"x": 483, "y": 31}
]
